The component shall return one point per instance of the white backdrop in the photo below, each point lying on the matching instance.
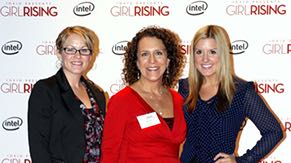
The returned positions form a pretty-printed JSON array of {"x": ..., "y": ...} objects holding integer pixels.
[{"x": 259, "y": 30}]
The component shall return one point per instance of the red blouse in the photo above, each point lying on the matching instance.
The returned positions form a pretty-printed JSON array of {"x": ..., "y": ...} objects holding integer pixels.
[{"x": 125, "y": 142}]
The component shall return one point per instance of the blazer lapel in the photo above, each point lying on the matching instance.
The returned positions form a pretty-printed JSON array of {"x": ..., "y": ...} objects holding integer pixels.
[
  {"x": 98, "y": 95},
  {"x": 72, "y": 105}
]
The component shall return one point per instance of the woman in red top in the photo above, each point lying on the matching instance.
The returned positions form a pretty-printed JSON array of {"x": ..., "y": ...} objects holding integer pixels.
[{"x": 145, "y": 122}]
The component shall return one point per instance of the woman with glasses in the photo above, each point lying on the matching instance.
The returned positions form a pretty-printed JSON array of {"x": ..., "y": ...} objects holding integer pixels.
[{"x": 66, "y": 111}]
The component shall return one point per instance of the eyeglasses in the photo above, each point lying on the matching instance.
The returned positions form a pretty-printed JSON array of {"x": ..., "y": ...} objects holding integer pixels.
[{"x": 73, "y": 51}]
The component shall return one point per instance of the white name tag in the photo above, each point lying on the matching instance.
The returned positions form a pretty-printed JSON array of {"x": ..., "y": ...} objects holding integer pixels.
[{"x": 148, "y": 120}]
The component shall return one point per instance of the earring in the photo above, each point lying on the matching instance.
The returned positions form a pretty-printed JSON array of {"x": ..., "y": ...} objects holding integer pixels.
[
  {"x": 138, "y": 75},
  {"x": 59, "y": 63},
  {"x": 167, "y": 73}
]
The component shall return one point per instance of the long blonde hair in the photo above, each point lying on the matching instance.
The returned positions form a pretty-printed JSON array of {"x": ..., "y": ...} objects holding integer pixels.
[{"x": 225, "y": 71}]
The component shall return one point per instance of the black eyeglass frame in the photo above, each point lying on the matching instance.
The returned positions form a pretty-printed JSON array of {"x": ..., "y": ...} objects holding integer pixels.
[{"x": 75, "y": 51}]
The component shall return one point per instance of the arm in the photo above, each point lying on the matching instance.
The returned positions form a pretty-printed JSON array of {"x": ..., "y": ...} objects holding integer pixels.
[
  {"x": 39, "y": 117},
  {"x": 114, "y": 125},
  {"x": 265, "y": 121}
]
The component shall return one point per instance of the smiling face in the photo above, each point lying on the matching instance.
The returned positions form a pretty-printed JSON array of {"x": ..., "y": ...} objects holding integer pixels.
[
  {"x": 75, "y": 64},
  {"x": 152, "y": 59},
  {"x": 207, "y": 58}
]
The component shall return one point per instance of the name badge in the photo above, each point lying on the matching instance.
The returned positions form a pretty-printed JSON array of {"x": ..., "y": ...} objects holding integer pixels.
[{"x": 148, "y": 120}]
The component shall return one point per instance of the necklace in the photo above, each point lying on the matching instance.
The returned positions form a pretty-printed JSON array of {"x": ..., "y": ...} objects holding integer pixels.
[
  {"x": 155, "y": 101},
  {"x": 161, "y": 92},
  {"x": 159, "y": 111},
  {"x": 156, "y": 106}
]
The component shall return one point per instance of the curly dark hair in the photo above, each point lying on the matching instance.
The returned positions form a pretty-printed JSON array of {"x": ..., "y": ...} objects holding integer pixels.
[{"x": 172, "y": 43}]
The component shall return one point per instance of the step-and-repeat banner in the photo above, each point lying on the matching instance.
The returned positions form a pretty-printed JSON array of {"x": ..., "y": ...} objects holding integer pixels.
[{"x": 260, "y": 31}]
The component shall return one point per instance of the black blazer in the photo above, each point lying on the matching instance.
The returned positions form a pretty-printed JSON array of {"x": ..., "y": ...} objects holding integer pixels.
[{"x": 55, "y": 122}]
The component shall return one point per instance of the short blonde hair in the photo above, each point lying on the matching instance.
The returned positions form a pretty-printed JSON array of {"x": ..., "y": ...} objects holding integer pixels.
[{"x": 90, "y": 37}]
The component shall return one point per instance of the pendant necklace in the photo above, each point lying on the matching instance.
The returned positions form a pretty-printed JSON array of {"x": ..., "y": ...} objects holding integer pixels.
[{"x": 159, "y": 110}]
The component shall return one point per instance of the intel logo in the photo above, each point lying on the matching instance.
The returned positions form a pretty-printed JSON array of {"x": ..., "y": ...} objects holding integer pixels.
[
  {"x": 84, "y": 9},
  {"x": 239, "y": 46},
  {"x": 11, "y": 47},
  {"x": 197, "y": 8},
  {"x": 12, "y": 123},
  {"x": 119, "y": 48}
]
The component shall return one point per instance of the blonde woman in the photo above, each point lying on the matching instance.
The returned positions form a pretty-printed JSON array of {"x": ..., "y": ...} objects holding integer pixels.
[
  {"x": 66, "y": 111},
  {"x": 218, "y": 102}
]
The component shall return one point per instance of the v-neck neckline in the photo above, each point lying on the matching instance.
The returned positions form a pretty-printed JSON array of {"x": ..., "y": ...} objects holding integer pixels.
[{"x": 149, "y": 109}]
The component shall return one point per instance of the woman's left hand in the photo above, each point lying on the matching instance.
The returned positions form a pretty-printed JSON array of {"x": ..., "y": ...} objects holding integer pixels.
[{"x": 224, "y": 158}]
